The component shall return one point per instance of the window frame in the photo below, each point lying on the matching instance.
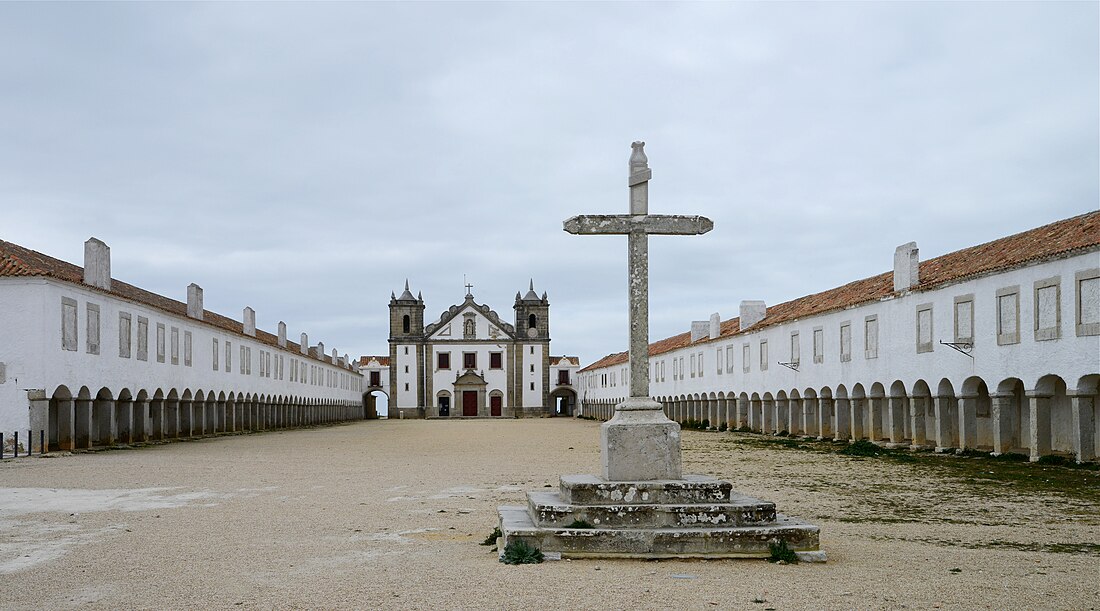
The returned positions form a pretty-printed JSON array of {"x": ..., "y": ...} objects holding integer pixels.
[
  {"x": 1090, "y": 328},
  {"x": 443, "y": 361},
  {"x": 469, "y": 360},
  {"x": 917, "y": 327},
  {"x": 959, "y": 300},
  {"x": 1012, "y": 337},
  {"x": 1048, "y": 333}
]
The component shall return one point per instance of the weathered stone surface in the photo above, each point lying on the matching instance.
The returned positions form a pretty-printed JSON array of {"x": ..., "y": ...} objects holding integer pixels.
[
  {"x": 640, "y": 443},
  {"x": 549, "y": 511},
  {"x": 691, "y": 489}
]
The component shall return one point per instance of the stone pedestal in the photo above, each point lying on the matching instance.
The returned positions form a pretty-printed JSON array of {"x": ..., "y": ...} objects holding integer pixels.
[
  {"x": 693, "y": 517},
  {"x": 640, "y": 443}
]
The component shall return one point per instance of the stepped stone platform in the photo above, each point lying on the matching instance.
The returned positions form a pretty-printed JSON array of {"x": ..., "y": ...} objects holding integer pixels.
[{"x": 694, "y": 517}]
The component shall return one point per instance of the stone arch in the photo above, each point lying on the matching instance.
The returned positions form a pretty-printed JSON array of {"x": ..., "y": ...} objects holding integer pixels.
[
  {"x": 1010, "y": 418},
  {"x": 1084, "y": 405},
  {"x": 859, "y": 413},
  {"x": 1050, "y": 421},
  {"x": 896, "y": 421},
  {"x": 443, "y": 401},
  {"x": 102, "y": 426},
  {"x": 782, "y": 413},
  {"x": 794, "y": 420},
  {"x": 945, "y": 417},
  {"x": 59, "y": 419},
  {"x": 495, "y": 400}
]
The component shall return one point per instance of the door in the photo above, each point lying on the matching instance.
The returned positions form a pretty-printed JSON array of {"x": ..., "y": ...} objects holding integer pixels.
[
  {"x": 469, "y": 403},
  {"x": 494, "y": 405}
]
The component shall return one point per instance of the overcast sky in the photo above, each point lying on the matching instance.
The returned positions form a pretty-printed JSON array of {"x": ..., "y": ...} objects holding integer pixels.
[{"x": 304, "y": 159}]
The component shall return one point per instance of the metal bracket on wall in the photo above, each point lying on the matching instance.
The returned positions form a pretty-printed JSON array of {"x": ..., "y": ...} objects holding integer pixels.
[
  {"x": 792, "y": 366},
  {"x": 963, "y": 347}
]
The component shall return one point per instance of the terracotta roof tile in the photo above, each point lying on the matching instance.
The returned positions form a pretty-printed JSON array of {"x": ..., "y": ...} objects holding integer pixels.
[
  {"x": 16, "y": 260},
  {"x": 382, "y": 360},
  {"x": 1061, "y": 238}
]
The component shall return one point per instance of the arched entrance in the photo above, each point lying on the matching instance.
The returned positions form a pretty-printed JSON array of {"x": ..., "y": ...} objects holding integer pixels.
[
  {"x": 563, "y": 402},
  {"x": 376, "y": 404}
]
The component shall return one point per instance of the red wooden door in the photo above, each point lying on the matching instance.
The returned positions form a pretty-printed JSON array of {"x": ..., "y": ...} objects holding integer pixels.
[
  {"x": 494, "y": 405},
  {"x": 469, "y": 403}
]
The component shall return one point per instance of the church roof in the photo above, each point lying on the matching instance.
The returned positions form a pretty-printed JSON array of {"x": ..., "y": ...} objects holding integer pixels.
[
  {"x": 19, "y": 261},
  {"x": 455, "y": 310},
  {"x": 1062, "y": 238},
  {"x": 383, "y": 361},
  {"x": 568, "y": 360}
]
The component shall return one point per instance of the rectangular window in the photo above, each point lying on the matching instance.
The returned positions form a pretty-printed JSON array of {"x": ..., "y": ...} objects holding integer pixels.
[
  {"x": 729, "y": 359},
  {"x": 186, "y": 348},
  {"x": 1048, "y": 309},
  {"x": 563, "y": 377},
  {"x": 763, "y": 355},
  {"x": 532, "y": 386},
  {"x": 796, "y": 350},
  {"x": 243, "y": 359},
  {"x": 745, "y": 358},
  {"x": 718, "y": 360},
  {"x": 845, "y": 342},
  {"x": 68, "y": 324},
  {"x": 692, "y": 370},
  {"x": 496, "y": 360},
  {"x": 92, "y": 327},
  {"x": 228, "y": 356},
  {"x": 819, "y": 345},
  {"x": 124, "y": 332},
  {"x": 175, "y": 346},
  {"x": 532, "y": 368},
  {"x": 160, "y": 342},
  {"x": 1008, "y": 316},
  {"x": 1087, "y": 302},
  {"x": 700, "y": 364},
  {"x": 216, "y": 354},
  {"x": 443, "y": 360},
  {"x": 469, "y": 360},
  {"x": 964, "y": 319},
  {"x": 870, "y": 337},
  {"x": 143, "y": 338},
  {"x": 532, "y": 349},
  {"x": 248, "y": 361},
  {"x": 924, "y": 328}
]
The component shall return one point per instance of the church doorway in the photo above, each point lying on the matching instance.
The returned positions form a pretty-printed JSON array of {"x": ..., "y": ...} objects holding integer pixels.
[
  {"x": 469, "y": 403},
  {"x": 376, "y": 404},
  {"x": 564, "y": 401},
  {"x": 495, "y": 402}
]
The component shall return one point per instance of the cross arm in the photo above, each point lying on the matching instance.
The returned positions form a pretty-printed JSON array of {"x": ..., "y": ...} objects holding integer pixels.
[{"x": 660, "y": 224}]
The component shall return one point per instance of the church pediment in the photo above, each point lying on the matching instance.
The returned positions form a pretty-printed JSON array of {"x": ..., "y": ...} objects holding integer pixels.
[
  {"x": 470, "y": 378},
  {"x": 469, "y": 320}
]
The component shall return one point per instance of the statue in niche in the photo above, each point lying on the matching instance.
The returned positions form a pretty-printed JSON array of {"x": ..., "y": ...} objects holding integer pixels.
[{"x": 468, "y": 328}]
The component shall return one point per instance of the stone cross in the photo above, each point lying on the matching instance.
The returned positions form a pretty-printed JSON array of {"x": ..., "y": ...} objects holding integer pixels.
[{"x": 635, "y": 429}]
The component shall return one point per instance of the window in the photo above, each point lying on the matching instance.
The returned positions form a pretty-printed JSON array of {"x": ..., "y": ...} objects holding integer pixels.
[
  {"x": 532, "y": 349},
  {"x": 1087, "y": 302},
  {"x": 763, "y": 355},
  {"x": 845, "y": 342},
  {"x": 92, "y": 327},
  {"x": 1008, "y": 316},
  {"x": 443, "y": 360},
  {"x": 228, "y": 356},
  {"x": 175, "y": 346},
  {"x": 1048, "y": 309},
  {"x": 469, "y": 360},
  {"x": 796, "y": 350},
  {"x": 563, "y": 377},
  {"x": 532, "y": 383},
  {"x": 532, "y": 322},
  {"x": 405, "y": 324},
  {"x": 819, "y": 345},
  {"x": 964, "y": 319},
  {"x": 186, "y": 348},
  {"x": 248, "y": 361},
  {"x": 160, "y": 342},
  {"x": 143, "y": 338},
  {"x": 216, "y": 353},
  {"x": 243, "y": 359},
  {"x": 729, "y": 359},
  {"x": 68, "y": 324},
  {"x": 124, "y": 331},
  {"x": 692, "y": 370},
  {"x": 376, "y": 378},
  {"x": 700, "y": 370},
  {"x": 745, "y": 358},
  {"x": 532, "y": 368},
  {"x": 870, "y": 337},
  {"x": 924, "y": 328},
  {"x": 718, "y": 360},
  {"x": 496, "y": 360}
]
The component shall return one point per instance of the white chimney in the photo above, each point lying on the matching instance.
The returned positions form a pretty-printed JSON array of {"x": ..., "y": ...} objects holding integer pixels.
[
  {"x": 97, "y": 264},
  {"x": 282, "y": 334},
  {"x": 194, "y": 301},
  {"x": 752, "y": 312},
  {"x": 250, "y": 322},
  {"x": 335, "y": 357},
  {"x": 321, "y": 350},
  {"x": 303, "y": 346},
  {"x": 906, "y": 267},
  {"x": 699, "y": 329},
  {"x": 715, "y": 326}
]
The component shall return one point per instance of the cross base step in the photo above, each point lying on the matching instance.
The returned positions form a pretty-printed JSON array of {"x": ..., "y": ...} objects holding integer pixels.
[{"x": 696, "y": 517}]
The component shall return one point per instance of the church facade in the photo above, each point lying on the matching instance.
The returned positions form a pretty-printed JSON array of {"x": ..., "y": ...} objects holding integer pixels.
[{"x": 471, "y": 363}]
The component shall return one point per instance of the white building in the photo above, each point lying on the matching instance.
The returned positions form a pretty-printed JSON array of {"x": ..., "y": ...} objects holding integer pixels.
[
  {"x": 993, "y": 347},
  {"x": 90, "y": 360},
  {"x": 471, "y": 363}
]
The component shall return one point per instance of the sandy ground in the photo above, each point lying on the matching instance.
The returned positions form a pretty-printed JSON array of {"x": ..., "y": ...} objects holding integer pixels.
[{"x": 389, "y": 514}]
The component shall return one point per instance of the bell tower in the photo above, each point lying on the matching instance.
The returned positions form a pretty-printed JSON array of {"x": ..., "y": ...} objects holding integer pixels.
[
  {"x": 406, "y": 316},
  {"x": 532, "y": 316},
  {"x": 406, "y": 355},
  {"x": 533, "y": 352}
]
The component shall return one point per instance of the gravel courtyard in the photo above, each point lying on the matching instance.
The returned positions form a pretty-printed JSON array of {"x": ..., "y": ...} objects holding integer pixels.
[{"x": 389, "y": 514}]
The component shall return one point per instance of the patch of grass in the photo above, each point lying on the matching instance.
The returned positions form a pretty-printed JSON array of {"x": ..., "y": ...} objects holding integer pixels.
[
  {"x": 1054, "y": 459},
  {"x": 744, "y": 429},
  {"x": 861, "y": 448},
  {"x": 1010, "y": 457},
  {"x": 521, "y": 552},
  {"x": 580, "y": 524},
  {"x": 492, "y": 538},
  {"x": 722, "y": 427},
  {"x": 780, "y": 552},
  {"x": 705, "y": 424}
]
